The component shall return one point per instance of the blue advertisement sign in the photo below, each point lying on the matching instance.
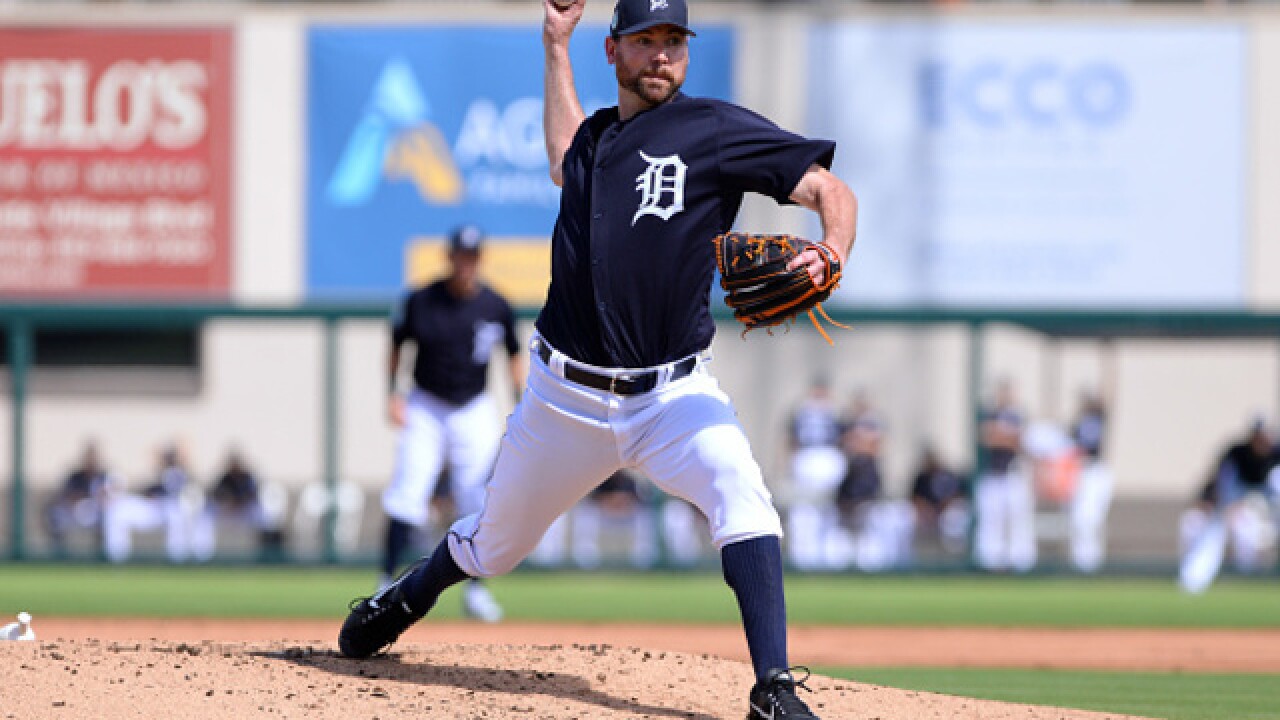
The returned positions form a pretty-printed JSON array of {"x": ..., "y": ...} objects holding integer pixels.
[{"x": 416, "y": 130}]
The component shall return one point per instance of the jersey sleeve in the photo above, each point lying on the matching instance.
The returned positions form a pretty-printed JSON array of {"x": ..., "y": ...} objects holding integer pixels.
[
  {"x": 400, "y": 320},
  {"x": 509, "y": 330},
  {"x": 756, "y": 155}
]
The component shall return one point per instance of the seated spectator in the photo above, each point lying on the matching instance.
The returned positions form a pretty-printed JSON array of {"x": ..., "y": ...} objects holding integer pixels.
[
  {"x": 236, "y": 499},
  {"x": 940, "y": 499},
  {"x": 236, "y": 492},
  {"x": 78, "y": 503},
  {"x": 165, "y": 505}
]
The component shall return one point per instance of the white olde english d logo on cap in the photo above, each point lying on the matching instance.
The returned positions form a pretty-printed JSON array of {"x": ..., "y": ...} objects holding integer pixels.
[{"x": 656, "y": 5}]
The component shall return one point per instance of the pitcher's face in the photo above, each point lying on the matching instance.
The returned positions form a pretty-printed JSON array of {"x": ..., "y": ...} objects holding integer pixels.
[{"x": 651, "y": 63}]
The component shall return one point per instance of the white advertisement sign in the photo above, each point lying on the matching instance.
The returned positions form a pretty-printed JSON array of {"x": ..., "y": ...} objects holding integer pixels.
[{"x": 1043, "y": 165}]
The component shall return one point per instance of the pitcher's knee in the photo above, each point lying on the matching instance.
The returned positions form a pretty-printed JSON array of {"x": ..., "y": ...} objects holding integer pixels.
[
  {"x": 501, "y": 564},
  {"x": 481, "y": 559}
]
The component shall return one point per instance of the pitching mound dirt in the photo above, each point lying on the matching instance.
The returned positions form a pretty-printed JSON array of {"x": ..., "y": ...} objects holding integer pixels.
[{"x": 205, "y": 681}]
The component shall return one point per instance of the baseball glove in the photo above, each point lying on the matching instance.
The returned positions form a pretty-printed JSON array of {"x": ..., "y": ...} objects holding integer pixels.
[{"x": 760, "y": 289}]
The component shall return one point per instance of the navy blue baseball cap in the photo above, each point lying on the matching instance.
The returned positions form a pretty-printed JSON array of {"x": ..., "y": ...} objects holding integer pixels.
[
  {"x": 631, "y": 16},
  {"x": 468, "y": 238}
]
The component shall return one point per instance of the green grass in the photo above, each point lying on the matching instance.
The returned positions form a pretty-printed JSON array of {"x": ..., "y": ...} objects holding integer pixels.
[
  {"x": 273, "y": 592},
  {"x": 1175, "y": 696}
]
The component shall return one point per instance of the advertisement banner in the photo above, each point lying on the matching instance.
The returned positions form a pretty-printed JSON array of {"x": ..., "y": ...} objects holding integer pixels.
[
  {"x": 416, "y": 130},
  {"x": 1048, "y": 165},
  {"x": 115, "y": 150}
]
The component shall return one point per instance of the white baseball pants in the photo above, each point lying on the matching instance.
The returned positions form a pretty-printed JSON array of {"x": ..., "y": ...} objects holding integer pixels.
[
  {"x": 564, "y": 439},
  {"x": 467, "y": 435},
  {"x": 1005, "y": 536},
  {"x": 813, "y": 519},
  {"x": 125, "y": 513},
  {"x": 1089, "y": 507}
]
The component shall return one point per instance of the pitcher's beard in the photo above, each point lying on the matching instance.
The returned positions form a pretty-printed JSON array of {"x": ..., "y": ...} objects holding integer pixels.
[{"x": 654, "y": 96}]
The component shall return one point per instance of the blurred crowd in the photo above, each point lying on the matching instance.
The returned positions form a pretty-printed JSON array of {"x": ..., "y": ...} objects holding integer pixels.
[
  {"x": 187, "y": 517},
  {"x": 838, "y": 514},
  {"x": 1032, "y": 480}
]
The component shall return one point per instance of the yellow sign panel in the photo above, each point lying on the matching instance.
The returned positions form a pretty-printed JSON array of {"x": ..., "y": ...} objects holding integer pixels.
[{"x": 518, "y": 268}]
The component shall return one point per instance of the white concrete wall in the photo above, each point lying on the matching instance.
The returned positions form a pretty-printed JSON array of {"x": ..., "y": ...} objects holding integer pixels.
[
  {"x": 260, "y": 388},
  {"x": 270, "y": 187},
  {"x": 1265, "y": 135}
]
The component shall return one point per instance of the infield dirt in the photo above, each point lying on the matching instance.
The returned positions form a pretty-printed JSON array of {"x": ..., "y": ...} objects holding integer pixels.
[
  {"x": 193, "y": 669},
  {"x": 110, "y": 680}
]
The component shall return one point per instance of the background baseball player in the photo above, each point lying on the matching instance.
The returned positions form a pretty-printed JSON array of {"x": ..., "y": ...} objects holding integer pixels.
[
  {"x": 817, "y": 467},
  {"x": 1236, "y": 507},
  {"x": 619, "y": 374},
  {"x": 171, "y": 504},
  {"x": 624, "y": 502},
  {"x": 454, "y": 323},
  {"x": 79, "y": 503},
  {"x": 940, "y": 499},
  {"x": 615, "y": 504},
  {"x": 1004, "y": 500},
  {"x": 1091, "y": 500},
  {"x": 881, "y": 527}
]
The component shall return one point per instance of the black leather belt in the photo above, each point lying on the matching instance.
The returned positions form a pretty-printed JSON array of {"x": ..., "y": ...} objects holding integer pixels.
[{"x": 633, "y": 383}]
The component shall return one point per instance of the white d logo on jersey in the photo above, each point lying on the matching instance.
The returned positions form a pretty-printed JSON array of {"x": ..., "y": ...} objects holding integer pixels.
[
  {"x": 663, "y": 177},
  {"x": 487, "y": 335}
]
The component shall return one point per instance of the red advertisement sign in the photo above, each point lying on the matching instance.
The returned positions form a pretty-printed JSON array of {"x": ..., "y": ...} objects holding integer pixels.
[{"x": 115, "y": 162}]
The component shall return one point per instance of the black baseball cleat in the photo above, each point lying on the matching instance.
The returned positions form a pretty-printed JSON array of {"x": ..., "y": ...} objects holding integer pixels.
[
  {"x": 376, "y": 622},
  {"x": 775, "y": 698}
]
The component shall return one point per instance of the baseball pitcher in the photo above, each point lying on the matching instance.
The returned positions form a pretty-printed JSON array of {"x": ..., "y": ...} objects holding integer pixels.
[{"x": 619, "y": 374}]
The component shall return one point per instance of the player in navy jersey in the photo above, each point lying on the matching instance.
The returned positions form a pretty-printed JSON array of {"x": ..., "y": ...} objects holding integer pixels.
[
  {"x": 1004, "y": 536},
  {"x": 817, "y": 466},
  {"x": 1091, "y": 500},
  {"x": 619, "y": 374},
  {"x": 454, "y": 323},
  {"x": 1238, "y": 506}
]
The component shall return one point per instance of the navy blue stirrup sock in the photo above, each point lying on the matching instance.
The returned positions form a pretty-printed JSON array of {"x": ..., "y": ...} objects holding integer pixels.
[
  {"x": 423, "y": 586},
  {"x": 753, "y": 568},
  {"x": 398, "y": 535}
]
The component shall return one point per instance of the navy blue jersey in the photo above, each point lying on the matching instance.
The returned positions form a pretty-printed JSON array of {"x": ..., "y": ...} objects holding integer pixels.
[
  {"x": 815, "y": 425},
  {"x": 999, "y": 459},
  {"x": 1088, "y": 434},
  {"x": 84, "y": 483},
  {"x": 861, "y": 483},
  {"x": 621, "y": 482},
  {"x": 236, "y": 488},
  {"x": 865, "y": 422},
  {"x": 937, "y": 486},
  {"x": 631, "y": 253},
  {"x": 1250, "y": 467},
  {"x": 454, "y": 338}
]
